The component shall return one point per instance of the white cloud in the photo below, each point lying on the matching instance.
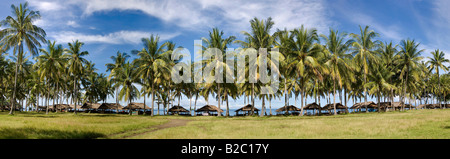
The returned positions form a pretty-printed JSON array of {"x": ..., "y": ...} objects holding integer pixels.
[
  {"x": 231, "y": 15},
  {"x": 73, "y": 24},
  {"x": 120, "y": 37}
]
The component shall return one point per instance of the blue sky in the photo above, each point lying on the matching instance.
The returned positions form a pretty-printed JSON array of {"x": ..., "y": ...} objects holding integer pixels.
[{"x": 108, "y": 26}]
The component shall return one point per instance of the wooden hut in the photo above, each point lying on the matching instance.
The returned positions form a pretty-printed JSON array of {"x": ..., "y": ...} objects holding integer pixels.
[
  {"x": 139, "y": 107},
  {"x": 339, "y": 108},
  {"x": 292, "y": 110},
  {"x": 178, "y": 110},
  {"x": 425, "y": 106},
  {"x": 208, "y": 110},
  {"x": 90, "y": 107},
  {"x": 110, "y": 107},
  {"x": 363, "y": 105},
  {"x": 246, "y": 110},
  {"x": 313, "y": 106}
]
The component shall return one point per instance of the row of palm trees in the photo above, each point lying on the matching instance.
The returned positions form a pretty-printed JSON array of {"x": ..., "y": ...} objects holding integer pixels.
[{"x": 311, "y": 65}]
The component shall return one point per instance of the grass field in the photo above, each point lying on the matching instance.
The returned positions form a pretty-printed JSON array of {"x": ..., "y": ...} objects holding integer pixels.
[{"x": 415, "y": 124}]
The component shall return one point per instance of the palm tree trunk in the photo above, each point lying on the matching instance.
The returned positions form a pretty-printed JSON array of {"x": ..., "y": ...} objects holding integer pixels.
[
  {"x": 117, "y": 100},
  {"x": 75, "y": 95},
  {"x": 334, "y": 98},
  {"x": 153, "y": 99},
  {"x": 404, "y": 92},
  {"x": 285, "y": 96},
  {"x": 262, "y": 107},
  {"x": 228, "y": 107},
  {"x": 218, "y": 93},
  {"x": 270, "y": 106},
  {"x": 301, "y": 96},
  {"x": 365, "y": 89},
  {"x": 439, "y": 88},
  {"x": 253, "y": 98},
  {"x": 13, "y": 101},
  {"x": 378, "y": 100}
]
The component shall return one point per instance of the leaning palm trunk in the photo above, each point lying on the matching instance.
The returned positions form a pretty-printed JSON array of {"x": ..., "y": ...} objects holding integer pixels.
[
  {"x": 285, "y": 96},
  {"x": 439, "y": 89},
  {"x": 404, "y": 92},
  {"x": 302, "y": 95},
  {"x": 228, "y": 107},
  {"x": 13, "y": 103}
]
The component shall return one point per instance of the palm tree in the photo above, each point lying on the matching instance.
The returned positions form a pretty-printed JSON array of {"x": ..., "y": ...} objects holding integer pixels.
[
  {"x": 52, "y": 62},
  {"x": 20, "y": 32},
  {"x": 152, "y": 62},
  {"x": 259, "y": 37},
  {"x": 127, "y": 77},
  {"x": 302, "y": 59},
  {"x": 388, "y": 55},
  {"x": 119, "y": 62},
  {"x": 365, "y": 50},
  {"x": 216, "y": 41},
  {"x": 338, "y": 62},
  {"x": 76, "y": 67},
  {"x": 379, "y": 77},
  {"x": 437, "y": 62},
  {"x": 408, "y": 62}
]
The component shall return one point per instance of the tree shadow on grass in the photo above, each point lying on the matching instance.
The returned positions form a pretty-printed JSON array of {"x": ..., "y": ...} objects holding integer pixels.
[{"x": 33, "y": 133}]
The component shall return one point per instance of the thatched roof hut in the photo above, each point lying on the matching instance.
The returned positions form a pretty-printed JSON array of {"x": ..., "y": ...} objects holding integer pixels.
[
  {"x": 426, "y": 106},
  {"x": 136, "y": 106},
  {"x": 246, "y": 110},
  {"x": 90, "y": 106},
  {"x": 331, "y": 106},
  {"x": 363, "y": 105},
  {"x": 60, "y": 106},
  {"x": 178, "y": 110},
  {"x": 312, "y": 106},
  {"x": 209, "y": 108},
  {"x": 114, "y": 106},
  {"x": 397, "y": 104},
  {"x": 289, "y": 108}
]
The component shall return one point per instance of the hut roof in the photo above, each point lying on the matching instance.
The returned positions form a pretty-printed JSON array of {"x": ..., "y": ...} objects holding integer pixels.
[
  {"x": 90, "y": 105},
  {"x": 428, "y": 106},
  {"x": 289, "y": 108},
  {"x": 312, "y": 106},
  {"x": 60, "y": 106},
  {"x": 136, "y": 106},
  {"x": 110, "y": 106},
  {"x": 397, "y": 104},
  {"x": 209, "y": 108},
  {"x": 246, "y": 108},
  {"x": 363, "y": 105},
  {"x": 178, "y": 108},
  {"x": 331, "y": 106}
]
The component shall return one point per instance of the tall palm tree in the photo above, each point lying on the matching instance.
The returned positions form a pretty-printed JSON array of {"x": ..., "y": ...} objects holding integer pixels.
[
  {"x": 52, "y": 62},
  {"x": 217, "y": 41},
  {"x": 408, "y": 63},
  {"x": 127, "y": 78},
  {"x": 259, "y": 37},
  {"x": 152, "y": 62},
  {"x": 379, "y": 77},
  {"x": 338, "y": 62},
  {"x": 388, "y": 53},
  {"x": 302, "y": 59},
  {"x": 76, "y": 62},
  {"x": 437, "y": 62},
  {"x": 365, "y": 50},
  {"x": 21, "y": 31},
  {"x": 119, "y": 62}
]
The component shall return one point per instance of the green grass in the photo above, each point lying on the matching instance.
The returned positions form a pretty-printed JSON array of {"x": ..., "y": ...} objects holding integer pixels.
[
  {"x": 415, "y": 124},
  {"x": 27, "y": 125}
]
